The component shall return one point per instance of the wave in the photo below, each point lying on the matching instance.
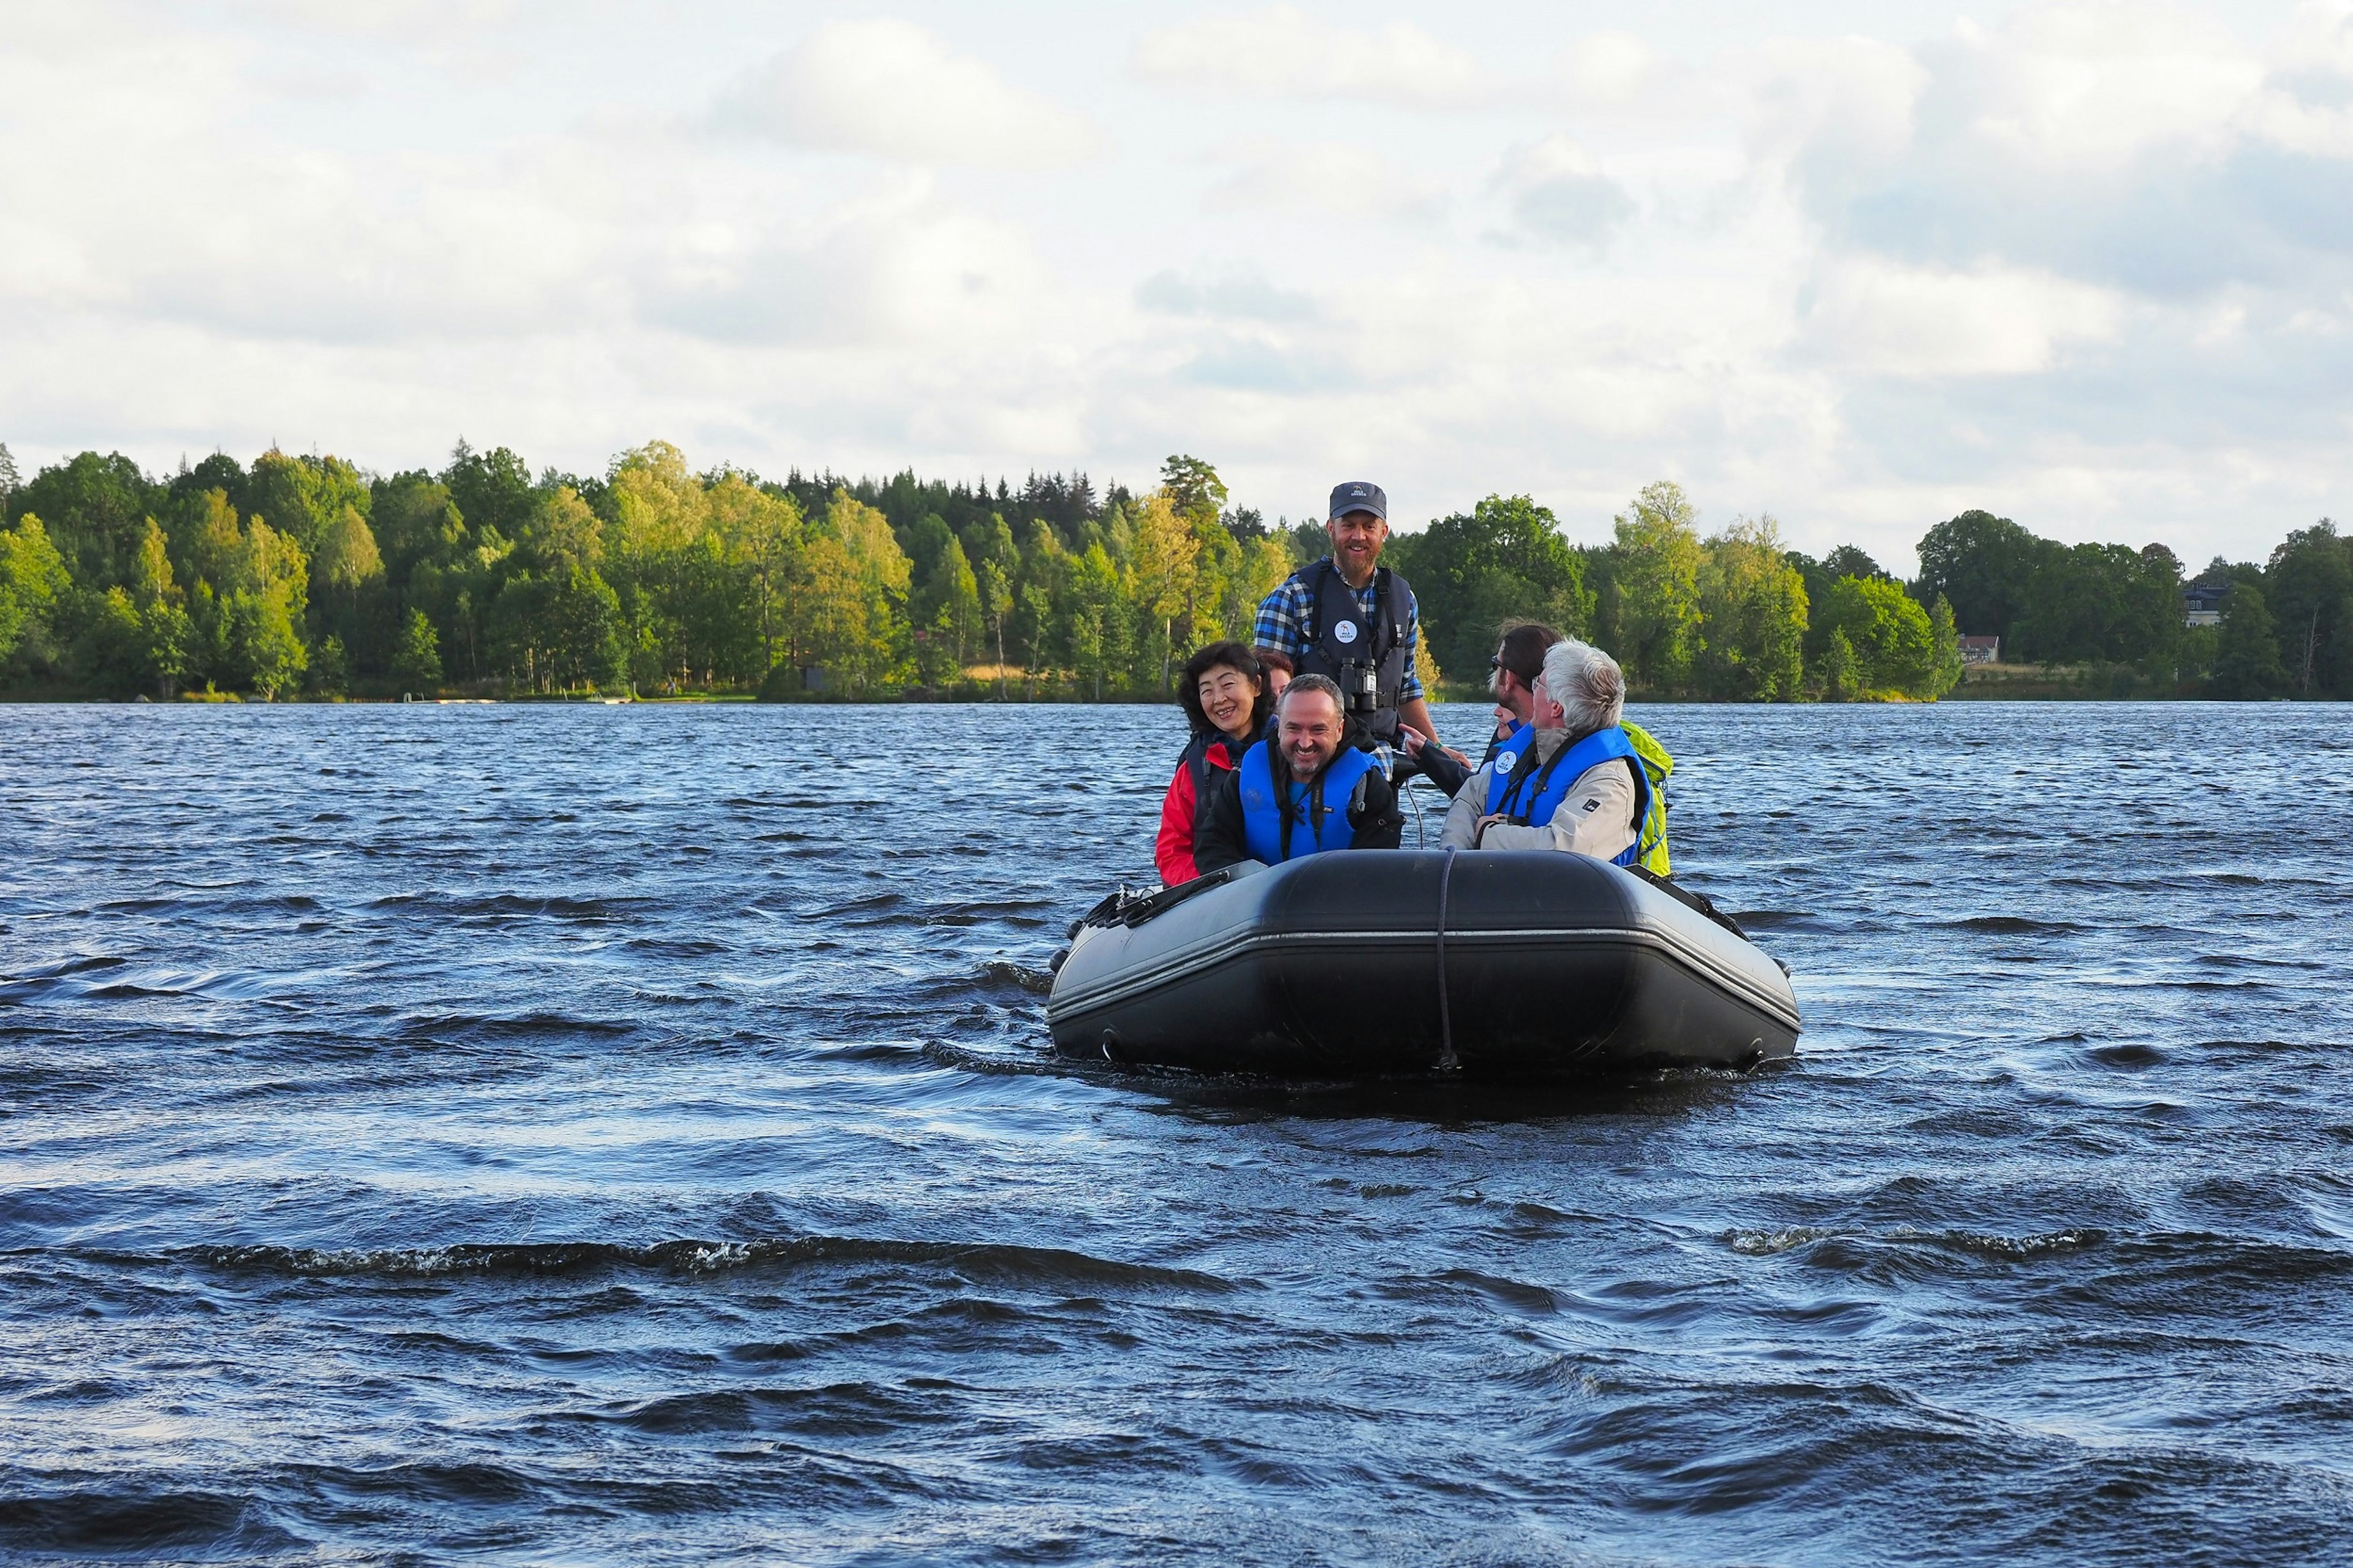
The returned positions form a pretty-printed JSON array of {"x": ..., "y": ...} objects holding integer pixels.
[
  {"x": 1003, "y": 972},
  {"x": 1788, "y": 1238},
  {"x": 42, "y": 979},
  {"x": 513, "y": 906},
  {"x": 141, "y": 1524},
  {"x": 441, "y": 1026},
  {"x": 999, "y": 1262},
  {"x": 111, "y": 980}
]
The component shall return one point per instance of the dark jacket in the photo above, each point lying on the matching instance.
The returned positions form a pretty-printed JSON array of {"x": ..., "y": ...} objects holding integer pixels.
[
  {"x": 1438, "y": 766},
  {"x": 1207, "y": 759},
  {"x": 1220, "y": 843}
]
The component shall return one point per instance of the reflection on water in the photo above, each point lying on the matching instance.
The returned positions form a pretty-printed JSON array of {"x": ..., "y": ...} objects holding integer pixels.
[{"x": 626, "y": 1135}]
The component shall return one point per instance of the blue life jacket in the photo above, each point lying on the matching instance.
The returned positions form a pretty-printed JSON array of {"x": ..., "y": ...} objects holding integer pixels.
[
  {"x": 1532, "y": 797},
  {"x": 1505, "y": 754},
  {"x": 1318, "y": 818}
]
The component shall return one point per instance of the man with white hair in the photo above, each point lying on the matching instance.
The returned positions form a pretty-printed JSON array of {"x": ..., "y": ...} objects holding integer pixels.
[{"x": 1574, "y": 781}]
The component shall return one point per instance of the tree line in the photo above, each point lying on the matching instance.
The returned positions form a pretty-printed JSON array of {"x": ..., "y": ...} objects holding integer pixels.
[
  {"x": 2286, "y": 627},
  {"x": 303, "y": 575}
]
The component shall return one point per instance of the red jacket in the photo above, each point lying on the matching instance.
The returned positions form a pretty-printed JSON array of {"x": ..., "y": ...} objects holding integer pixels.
[{"x": 1181, "y": 808}]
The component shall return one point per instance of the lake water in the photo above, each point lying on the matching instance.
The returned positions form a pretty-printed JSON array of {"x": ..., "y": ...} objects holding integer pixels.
[{"x": 625, "y": 1136}]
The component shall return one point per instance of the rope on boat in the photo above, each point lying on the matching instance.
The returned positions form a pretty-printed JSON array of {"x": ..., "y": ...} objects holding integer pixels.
[{"x": 1447, "y": 1060}]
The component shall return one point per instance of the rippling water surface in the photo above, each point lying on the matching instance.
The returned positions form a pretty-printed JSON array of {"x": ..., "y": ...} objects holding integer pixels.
[{"x": 625, "y": 1135}]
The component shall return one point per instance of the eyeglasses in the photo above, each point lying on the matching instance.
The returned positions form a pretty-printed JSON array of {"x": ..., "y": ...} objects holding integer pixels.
[{"x": 1495, "y": 661}]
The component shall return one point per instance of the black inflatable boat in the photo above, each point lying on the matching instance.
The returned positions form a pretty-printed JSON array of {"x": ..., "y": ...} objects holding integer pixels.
[{"x": 1497, "y": 963}]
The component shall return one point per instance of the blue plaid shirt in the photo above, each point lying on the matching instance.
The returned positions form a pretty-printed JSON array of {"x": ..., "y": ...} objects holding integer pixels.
[{"x": 1283, "y": 617}]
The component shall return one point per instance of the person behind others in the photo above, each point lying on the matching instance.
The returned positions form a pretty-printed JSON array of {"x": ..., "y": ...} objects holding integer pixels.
[
  {"x": 1353, "y": 621},
  {"x": 1309, "y": 790},
  {"x": 1279, "y": 672},
  {"x": 1228, "y": 695},
  {"x": 1576, "y": 781},
  {"x": 1512, "y": 678}
]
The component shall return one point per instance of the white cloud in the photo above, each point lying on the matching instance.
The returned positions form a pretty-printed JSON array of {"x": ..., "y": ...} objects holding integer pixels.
[
  {"x": 2130, "y": 147},
  {"x": 1616, "y": 70},
  {"x": 1247, "y": 297},
  {"x": 2092, "y": 88},
  {"x": 1335, "y": 179},
  {"x": 1878, "y": 318},
  {"x": 1558, "y": 196},
  {"x": 899, "y": 267},
  {"x": 1850, "y": 99},
  {"x": 893, "y": 89},
  {"x": 1284, "y": 53}
]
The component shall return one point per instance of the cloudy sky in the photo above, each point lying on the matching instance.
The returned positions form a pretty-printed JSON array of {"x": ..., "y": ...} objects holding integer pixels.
[{"x": 1857, "y": 266}]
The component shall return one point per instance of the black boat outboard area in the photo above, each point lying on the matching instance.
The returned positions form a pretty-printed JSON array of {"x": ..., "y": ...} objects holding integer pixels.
[{"x": 1497, "y": 963}]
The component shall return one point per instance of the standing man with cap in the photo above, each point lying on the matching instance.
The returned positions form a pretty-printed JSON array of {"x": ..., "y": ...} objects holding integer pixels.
[{"x": 1353, "y": 621}]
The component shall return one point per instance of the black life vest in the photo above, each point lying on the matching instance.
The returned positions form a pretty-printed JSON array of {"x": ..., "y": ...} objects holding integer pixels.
[
  {"x": 1346, "y": 647},
  {"x": 1196, "y": 762}
]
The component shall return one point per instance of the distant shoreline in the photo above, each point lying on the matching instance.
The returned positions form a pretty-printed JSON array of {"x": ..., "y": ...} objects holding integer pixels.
[{"x": 2014, "y": 683}]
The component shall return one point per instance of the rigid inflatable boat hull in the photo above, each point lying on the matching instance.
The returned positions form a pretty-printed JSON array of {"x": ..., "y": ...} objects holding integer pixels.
[{"x": 1335, "y": 965}]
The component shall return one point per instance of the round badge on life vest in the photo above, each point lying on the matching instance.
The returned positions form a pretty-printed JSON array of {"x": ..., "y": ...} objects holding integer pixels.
[
  {"x": 1506, "y": 761},
  {"x": 1346, "y": 631}
]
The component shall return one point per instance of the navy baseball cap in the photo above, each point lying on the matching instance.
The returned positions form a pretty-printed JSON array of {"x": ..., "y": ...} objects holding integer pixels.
[{"x": 1359, "y": 496}]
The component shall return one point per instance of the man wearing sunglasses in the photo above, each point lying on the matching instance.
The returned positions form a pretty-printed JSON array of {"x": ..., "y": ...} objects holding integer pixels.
[{"x": 1512, "y": 675}]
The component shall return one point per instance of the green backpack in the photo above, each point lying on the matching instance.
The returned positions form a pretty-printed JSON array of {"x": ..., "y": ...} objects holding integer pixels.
[{"x": 1656, "y": 766}]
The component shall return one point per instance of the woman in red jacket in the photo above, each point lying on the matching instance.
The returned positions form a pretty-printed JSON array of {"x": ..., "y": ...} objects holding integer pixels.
[{"x": 1226, "y": 695}]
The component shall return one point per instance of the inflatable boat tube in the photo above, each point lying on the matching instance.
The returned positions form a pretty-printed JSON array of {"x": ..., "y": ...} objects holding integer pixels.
[{"x": 1497, "y": 963}]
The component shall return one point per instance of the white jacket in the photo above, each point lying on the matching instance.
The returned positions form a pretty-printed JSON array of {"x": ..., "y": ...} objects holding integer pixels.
[{"x": 1596, "y": 816}]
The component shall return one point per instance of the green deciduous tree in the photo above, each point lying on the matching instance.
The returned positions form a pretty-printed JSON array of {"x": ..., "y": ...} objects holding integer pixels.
[
  {"x": 416, "y": 656},
  {"x": 1753, "y": 616},
  {"x": 2247, "y": 664},
  {"x": 167, "y": 633},
  {"x": 852, "y": 616},
  {"x": 2102, "y": 604},
  {"x": 1887, "y": 635},
  {"x": 493, "y": 490},
  {"x": 1650, "y": 612},
  {"x": 1167, "y": 553},
  {"x": 347, "y": 559},
  {"x": 253, "y": 593},
  {"x": 1839, "y": 667},
  {"x": 1474, "y": 573},
  {"x": 2308, "y": 590},
  {"x": 1984, "y": 565},
  {"x": 1944, "y": 637},
  {"x": 765, "y": 532},
  {"x": 999, "y": 561},
  {"x": 34, "y": 580},
  {"x": 559, "y": 628},
  {"x": 94, "y": 510},
  {"x": 301, "y": 497}
]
